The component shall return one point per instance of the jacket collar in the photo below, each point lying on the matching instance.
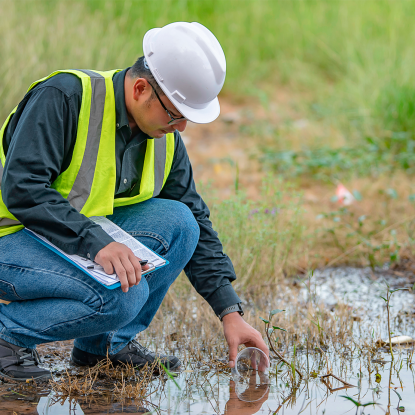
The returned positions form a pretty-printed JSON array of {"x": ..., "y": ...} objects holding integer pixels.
[{"x": 119, "y": 95}]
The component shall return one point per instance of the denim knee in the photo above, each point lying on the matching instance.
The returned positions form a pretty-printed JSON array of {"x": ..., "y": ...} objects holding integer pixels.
[
  {"x": 121, "y": 308},
  {"x": 186, "y": 226}
]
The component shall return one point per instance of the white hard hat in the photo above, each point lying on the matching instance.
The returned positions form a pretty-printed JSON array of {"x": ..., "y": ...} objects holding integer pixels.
[{"x": 188, "y": 63}]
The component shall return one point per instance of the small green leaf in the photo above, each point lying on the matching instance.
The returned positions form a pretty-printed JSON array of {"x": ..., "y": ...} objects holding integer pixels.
[
  {"x": 369, "y": 403},
  {"x": 383, "y": 298},
  {"x": 401, "y": 409},
  {"x": 399, "y": 289},
  {"x": 399, "y": 396},
  {"x": 265, "y": 321},
  {"x": 276, "y": 311},
  {"x": 169, "y": 374},
  {"x": 351, "y": 399},
  {"x": 278, "y": 328}
]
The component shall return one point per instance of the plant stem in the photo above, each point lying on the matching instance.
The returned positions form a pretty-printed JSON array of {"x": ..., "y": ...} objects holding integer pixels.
[
  {"x": 388, "y": 296},
  {"x": 278, "y": 354}
]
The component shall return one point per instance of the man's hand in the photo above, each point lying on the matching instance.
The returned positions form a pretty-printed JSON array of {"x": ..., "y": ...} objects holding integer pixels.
[
  {"x": 237, "y": 331},
  {"x": 118, "y": 258}
]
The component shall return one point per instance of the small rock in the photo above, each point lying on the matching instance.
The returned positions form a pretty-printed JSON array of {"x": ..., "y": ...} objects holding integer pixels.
[
  {"x": 395, "y": 341},
  {"x": 402, "y": 340}
]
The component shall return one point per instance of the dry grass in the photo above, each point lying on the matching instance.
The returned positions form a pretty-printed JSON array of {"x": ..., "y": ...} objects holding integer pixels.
[
  {"x": 288, "y": 230},
  {"x": 122, "y": 382}
]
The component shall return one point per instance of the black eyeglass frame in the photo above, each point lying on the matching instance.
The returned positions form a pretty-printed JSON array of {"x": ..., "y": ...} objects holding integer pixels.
[{"x": 172, "y": 119}]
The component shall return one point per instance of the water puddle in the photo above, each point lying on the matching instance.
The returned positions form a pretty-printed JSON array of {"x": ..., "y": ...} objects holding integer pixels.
[{"x": 344, "y": 370}]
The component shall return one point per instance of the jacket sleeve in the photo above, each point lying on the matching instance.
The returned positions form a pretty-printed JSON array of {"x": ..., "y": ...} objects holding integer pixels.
[
  {"x": 41, "y": 143},
  {"x": 210, "y": 270}
]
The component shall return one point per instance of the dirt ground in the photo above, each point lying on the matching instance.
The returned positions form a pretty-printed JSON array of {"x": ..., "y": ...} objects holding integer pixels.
[{"x": 215, "y": 149}]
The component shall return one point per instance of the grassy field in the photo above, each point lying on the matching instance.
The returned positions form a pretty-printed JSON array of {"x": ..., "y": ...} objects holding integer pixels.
[
  {"x": 352, "y": 59},
  {"x": 347, "y": 67}
]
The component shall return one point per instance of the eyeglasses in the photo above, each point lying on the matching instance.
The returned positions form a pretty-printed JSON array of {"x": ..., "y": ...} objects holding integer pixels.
[{"x": 173, "y": 120}]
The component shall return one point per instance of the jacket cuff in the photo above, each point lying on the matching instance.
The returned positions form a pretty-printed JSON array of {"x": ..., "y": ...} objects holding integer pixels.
[
  {"x": 94, "y": 240},
  {"x": 222, "y": 298}
]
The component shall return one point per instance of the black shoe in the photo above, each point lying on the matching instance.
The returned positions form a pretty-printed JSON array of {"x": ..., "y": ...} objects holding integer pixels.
[
  {"x": 134, "y": 353},
  {"x": 20, "y": 363}
]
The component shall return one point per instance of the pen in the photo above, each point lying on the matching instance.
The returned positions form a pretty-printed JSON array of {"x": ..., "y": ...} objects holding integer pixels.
[{"x": 142, "y": 263}]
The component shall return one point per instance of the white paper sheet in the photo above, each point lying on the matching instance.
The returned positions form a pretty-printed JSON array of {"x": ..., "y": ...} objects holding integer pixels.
[{"x": 119, "y": 235}]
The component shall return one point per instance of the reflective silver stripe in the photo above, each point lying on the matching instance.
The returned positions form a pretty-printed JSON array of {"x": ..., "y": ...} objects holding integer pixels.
[
  {"x": 83, "y": 183},
  {"x": 8, "y": 222},
  {"x": 160, "y": 148}
]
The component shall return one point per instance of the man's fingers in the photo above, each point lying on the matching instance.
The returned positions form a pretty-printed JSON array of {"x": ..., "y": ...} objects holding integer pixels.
[
  {"x": 122, "y": 274},
  {"x": 135, "y": 262},
  {"x": 129, "y": 269},
  {"x": 118, "y": 258},
  {"x": 107, "y": 265},
  {"x": 259, "y": 343},
  {"x": 233, "y": 352}
]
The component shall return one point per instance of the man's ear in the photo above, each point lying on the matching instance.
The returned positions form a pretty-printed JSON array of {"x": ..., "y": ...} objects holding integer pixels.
[{"x": 141, "y": 89}]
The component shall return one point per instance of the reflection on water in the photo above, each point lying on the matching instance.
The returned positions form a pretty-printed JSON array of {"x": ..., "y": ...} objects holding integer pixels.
[
  {"x": 244, "y": 399},
  {"x": 205, "y": 392},
  {"x": 336, "y": 379},
  {"x": 49, "y": 406}
]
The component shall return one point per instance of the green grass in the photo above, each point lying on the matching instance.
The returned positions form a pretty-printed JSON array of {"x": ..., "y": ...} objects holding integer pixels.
[
  {"x": 353, "y": 59},
  {"x": 372, "y": 157},
  {"x": 264, "y": 238}
]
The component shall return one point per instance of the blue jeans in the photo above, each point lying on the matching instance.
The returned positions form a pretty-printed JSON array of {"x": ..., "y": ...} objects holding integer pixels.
[{"x": 53, "y": 300}]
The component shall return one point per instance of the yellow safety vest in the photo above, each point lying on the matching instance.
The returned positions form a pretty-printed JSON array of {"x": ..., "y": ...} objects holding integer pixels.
[{"x": 89, "y": 181}]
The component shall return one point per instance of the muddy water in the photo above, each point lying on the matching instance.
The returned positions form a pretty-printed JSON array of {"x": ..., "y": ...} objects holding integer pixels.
[{"x": 199, "y": 390}]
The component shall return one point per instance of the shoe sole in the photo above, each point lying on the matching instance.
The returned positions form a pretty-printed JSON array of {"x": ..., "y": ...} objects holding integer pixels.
[
  {"x": 3, "y": 377},
  {"x": 78, "y": 362}
]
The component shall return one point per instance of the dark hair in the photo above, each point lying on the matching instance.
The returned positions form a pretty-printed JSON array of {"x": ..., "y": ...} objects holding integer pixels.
[{"x": 141, "y": 70}]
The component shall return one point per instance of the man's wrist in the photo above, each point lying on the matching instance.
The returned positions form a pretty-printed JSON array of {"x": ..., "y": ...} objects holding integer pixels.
[
  {"x": 232, "y": 309},
  {"x": 232, "y": 317}
]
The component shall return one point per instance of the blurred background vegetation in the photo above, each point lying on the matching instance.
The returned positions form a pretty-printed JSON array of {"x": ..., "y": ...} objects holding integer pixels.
[
  {"x": 347, "y": 65},
  {"x": 355, "y": 57}
]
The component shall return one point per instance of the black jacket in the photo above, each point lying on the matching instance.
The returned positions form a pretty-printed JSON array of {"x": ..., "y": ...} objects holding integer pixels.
[{"x": 39, "y": 142}]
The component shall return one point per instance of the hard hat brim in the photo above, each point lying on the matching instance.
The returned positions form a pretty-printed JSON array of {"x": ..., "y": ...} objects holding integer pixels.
[{"x": 196, "y": 115}]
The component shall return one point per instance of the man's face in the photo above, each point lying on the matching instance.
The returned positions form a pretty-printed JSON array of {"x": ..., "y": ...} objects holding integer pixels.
[{"x": 148, "y": 113}]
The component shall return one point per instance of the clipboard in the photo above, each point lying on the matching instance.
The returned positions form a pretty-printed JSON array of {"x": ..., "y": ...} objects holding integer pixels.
[{"x": 92, "y": 273}]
